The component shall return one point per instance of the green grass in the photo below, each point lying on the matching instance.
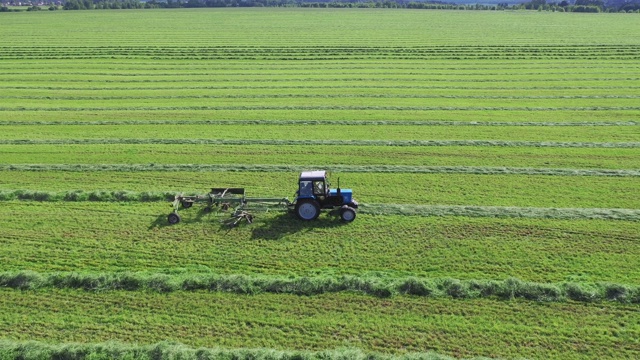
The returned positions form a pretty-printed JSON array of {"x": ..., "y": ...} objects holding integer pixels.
[
  {"x": 576, "y": 158},
  {"x": 136, "y": 237},
  {"x": 453, "y": 188},
  {"x": 264, "y": 81},
  {"x": 264, "y": 27},
  {"x": 458, "y": 328},
  {"x": 382, "y": 133}
]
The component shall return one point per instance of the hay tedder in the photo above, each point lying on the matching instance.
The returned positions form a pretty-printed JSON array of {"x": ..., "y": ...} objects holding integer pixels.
[{"x": 313, "y": 196}]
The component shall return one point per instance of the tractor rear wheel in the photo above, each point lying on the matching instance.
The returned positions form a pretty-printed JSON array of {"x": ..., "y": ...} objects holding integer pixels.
[
  {"x": 173, "y": 218},
  {"x": 347, "y": 214},
  {"x": 307, "y": 209}
]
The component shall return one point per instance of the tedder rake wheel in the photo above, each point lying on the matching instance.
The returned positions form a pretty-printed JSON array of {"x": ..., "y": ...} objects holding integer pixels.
[
  {"x": 347, "y": 214},
  {"x": 173, "y": 218},
  {"x": 187, "y": 204},
  {"x": 307, "y": 209}
]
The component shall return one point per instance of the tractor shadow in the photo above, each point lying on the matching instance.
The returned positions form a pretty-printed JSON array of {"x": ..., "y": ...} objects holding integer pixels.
[
  {"x": 287, "y": 224},
  {"x": 187, "y": 216}
]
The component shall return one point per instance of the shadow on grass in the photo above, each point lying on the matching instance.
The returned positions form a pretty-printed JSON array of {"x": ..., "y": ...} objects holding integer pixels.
[
  {"x": 287, "y": 223},
  {"x": 187, "y": 217},
  {"x": 272, "y": 228}
]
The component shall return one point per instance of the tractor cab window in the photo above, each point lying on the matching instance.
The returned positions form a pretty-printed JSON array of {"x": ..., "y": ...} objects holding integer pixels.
[
  {"x": 318, "y": 188},
  {"x": 306, "y": 189}
]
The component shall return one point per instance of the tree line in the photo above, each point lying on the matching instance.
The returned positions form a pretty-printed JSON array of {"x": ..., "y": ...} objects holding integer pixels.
[{"x": 539, "y": 5}]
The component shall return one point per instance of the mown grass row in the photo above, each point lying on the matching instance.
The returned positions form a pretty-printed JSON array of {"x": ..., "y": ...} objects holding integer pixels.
[
  {"x": 618, "y": 52},
  {"x": 336, "y": 168},
  {"x": 276, "y": 142},
  {"x": 322, "y": 122},
  {"x": 321, "y": 96},
  {"x": 335, "y": 135},
  {"x": 79, "y": 195},
  {"x": 367, "y": 208},
  {"x": 32, "y": 350},
  {"x": 352, "y": 71},
  {"x": 508, "y": 289},
  {"x": 375, "y": 79},
  {"x": 528, "y": 157},
  {"x": 313, "y": 115},
  {"x": 501, "y": 212},
  {"x": 314, "y": 87},
  {"x": 359, "y": 108},
  {"x": 519, "y": 190},
  {"x": 16, "y": 67}
]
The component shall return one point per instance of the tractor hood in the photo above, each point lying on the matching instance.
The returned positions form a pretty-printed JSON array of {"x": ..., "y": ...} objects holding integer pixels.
[{"x": 347, "y": 194}]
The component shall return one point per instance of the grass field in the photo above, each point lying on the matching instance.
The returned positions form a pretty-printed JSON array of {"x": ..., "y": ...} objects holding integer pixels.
[{"x": 485, "y": 148}]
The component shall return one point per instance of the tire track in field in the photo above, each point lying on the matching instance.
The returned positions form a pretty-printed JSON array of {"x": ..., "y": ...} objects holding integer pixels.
[
  {"x": 477, "y": 170},
  {"x": 322, "y": 122},
  {"x": 277, "y": 142}
]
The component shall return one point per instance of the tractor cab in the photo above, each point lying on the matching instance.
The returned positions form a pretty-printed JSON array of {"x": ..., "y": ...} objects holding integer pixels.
[
  {"x": 313, "y": 184},
  {"x": 314, "y": 193}
]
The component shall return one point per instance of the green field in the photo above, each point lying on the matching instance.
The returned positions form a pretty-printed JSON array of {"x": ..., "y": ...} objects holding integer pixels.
[{"x": 485, "y": 148}]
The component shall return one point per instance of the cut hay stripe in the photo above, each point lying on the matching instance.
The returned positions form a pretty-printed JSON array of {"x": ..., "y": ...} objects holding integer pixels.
[
  {"x": 312, "y": 86},
  {"x": 501, "y": 212},
  {"x": 319, "y": 71},
  {"x": 377, "y": 286},
  {"x": 373, "y": 209},
  {"x": 321, "y": 122},
  {"x": 372, "y": 78},
  {"x": 277, "y": 142},
  {"x": 32, "y": 350},
  {"x": 476, "y": 68},
  {"x": 322, "y": 96},
  {"x": 337, "y": 168},
  {"x": 326, "y": 108}
]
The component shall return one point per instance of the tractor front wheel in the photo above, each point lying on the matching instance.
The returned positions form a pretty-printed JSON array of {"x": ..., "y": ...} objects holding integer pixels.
[
  {"x": 347, "y": 214},
  {"x": 307, "y": 210},
  {"x": 173, "y": 218}
]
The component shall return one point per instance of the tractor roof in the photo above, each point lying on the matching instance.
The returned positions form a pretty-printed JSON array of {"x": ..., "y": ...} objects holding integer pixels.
[{"x": 312, "y": 175}]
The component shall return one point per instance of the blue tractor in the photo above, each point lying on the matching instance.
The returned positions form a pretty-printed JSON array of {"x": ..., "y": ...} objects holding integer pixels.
[{"x": 315, "y": 194}]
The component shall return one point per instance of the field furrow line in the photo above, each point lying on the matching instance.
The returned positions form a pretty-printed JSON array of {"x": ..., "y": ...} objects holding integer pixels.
[
  {"x": 277, "y": 142},
  {"x": 509, "y": 289},
  {"x": 479, "y": 170}
]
